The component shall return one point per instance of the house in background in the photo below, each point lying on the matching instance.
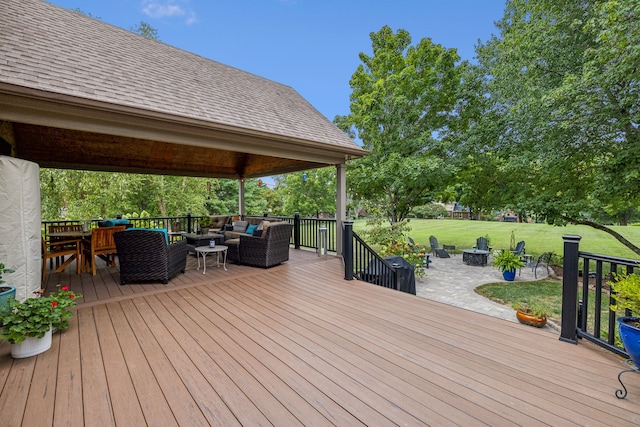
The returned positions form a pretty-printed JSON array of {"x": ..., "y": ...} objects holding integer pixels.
[{"x": 457, "y": 211}]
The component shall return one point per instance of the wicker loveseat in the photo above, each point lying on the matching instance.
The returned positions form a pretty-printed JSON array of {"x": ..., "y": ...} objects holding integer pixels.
[
  {"x": 233, "y": 232},
  {"x": 262, "y": 251},
  {"x": 144, "y": 255}
]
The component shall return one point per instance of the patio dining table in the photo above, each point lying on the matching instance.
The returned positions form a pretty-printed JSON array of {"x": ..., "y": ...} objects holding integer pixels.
[{"x": 70, "y": 235}]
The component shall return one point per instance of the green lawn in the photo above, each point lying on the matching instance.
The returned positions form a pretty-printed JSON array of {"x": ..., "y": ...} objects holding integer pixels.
[{"x": 539, "y": 238}]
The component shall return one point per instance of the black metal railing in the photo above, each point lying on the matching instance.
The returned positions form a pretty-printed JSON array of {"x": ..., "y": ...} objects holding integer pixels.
[
  {"x": 307, "y": 233},
  {"x": 187, "y": 222},
  {"x": 586, "y": 296},
  {"x": 363, "y": 263}
]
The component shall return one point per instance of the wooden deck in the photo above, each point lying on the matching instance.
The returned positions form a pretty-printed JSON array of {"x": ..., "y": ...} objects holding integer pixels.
[{"x": 298, "y": 345}]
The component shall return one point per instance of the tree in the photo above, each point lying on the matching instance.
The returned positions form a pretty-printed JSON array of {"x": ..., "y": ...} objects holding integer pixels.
[
  {"x": 310, "y": 193},
  {"x": 563, "y": 108},
  {"x": 82, "y": 194},
  {"x": 145, "y": 30},
  {"x": 402, "y": 99}
]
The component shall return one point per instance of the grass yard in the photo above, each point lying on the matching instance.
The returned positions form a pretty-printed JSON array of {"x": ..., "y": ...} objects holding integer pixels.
[
  {"x": 539, "y": 238},
  {"x": 547, "y": 293}
]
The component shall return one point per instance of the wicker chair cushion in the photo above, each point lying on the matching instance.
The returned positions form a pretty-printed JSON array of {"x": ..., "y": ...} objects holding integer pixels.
[
  {"x": 163, "y": 230},
  {"x": 268, "y": 224}
]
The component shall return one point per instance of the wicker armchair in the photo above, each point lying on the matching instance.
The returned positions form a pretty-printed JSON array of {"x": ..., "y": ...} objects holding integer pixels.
[
  {"x": 267, "y": 251},
  {"x": 145, "y": 256}
]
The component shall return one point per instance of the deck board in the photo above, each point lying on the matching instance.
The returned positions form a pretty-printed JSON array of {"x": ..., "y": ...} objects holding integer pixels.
[{"x": 298, "y": 345}]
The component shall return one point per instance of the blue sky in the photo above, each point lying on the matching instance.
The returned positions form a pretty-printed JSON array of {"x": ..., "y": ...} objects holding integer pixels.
[{"x": 310, "y": 45}]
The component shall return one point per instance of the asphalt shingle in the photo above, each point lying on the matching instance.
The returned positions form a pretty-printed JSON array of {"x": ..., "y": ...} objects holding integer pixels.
[{"x": 52, "y": 49}]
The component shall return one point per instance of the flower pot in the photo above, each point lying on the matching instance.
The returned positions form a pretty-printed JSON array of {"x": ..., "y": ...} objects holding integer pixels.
[
  {"x": 31, "y": 346},
  {"x": 525, "y": 317},
  {"x": 6, "y": 293},
  {"x": 509, "y": 275},
  {"x": 630, "y": 336}
]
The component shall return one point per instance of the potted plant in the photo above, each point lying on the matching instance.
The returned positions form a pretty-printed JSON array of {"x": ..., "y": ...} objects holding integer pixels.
[
  {"x": 531, "y": 313},
  {"x": 6, "y": 292},
  {"x": 62, "y": 299},
  {"x": 205, "y": 224},
  {"x": 27, "y": 325},
  {"x": 625, "y": 291},
  {"x": 507, "y": 262}
]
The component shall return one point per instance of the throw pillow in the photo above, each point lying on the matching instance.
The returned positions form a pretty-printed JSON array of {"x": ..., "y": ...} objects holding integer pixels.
[
  {"x": 262, "y": 224},
  {"x": 251, "y": 228},
  {"x": 240, "y": 226}
]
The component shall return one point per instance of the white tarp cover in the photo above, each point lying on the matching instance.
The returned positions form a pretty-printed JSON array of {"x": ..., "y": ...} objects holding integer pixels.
[{"x": 20, "y": 224}]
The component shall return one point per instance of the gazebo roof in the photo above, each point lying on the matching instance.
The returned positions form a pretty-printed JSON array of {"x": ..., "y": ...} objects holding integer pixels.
[{"x": 81, "y": 93}]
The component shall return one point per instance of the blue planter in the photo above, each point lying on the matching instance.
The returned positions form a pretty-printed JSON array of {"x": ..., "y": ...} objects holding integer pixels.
[
  {"x": 5, "y": 296},
  {"x": 630, "y": 337},
  {"x": 509, "y": 275}
]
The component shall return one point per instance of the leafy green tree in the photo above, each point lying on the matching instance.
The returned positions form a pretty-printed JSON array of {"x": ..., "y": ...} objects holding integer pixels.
[
  {"x": 430, "y": 210},
  {"x": 562, "y": 108},
  {"x": 310, "y": 193},
  {"x": 70, "y": 194},
  {"x": 402, "y": 99},
  {"x": 222, "y": 198},
  {"x": 145, "y": 30}
]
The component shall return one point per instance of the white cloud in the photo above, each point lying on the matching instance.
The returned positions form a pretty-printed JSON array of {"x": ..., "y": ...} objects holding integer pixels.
[{"x": 168, "y": 8}]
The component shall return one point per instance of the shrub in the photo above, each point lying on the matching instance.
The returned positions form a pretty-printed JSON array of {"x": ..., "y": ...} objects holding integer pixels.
[
  {"x": 413, "y": 254},
  {"x": 379, "y": 233}
]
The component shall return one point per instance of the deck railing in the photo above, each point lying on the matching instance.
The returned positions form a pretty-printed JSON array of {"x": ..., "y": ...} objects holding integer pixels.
[
  {"x": 586, "y": 296},
  {"x": 363, "y": 263},
  {"x": 307, "y": 232}
]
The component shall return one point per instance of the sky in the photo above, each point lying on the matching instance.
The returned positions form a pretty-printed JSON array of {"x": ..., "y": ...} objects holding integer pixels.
[{"x": 310, "y": 45}]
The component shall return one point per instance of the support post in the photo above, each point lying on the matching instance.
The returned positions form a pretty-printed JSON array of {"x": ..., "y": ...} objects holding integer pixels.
[
  {"x": 569, "y": 323},
  {"x": 347, "y": 254},
  {"x": 296, "y": 230},
  {"x": 341, "y": 204},
  {"x": 241, "y": 197},
  {"x": 189, "y": 222}
]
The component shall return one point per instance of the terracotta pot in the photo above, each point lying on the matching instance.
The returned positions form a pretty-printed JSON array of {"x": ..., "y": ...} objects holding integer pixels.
[{"x": 527, "y": 318}]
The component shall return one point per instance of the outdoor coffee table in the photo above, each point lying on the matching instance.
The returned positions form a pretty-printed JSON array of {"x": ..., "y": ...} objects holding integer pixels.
[
  {"x": 194, "y": 240},
  {"x": 217, "y": 249},
  {"x": 475, "y": 257}
]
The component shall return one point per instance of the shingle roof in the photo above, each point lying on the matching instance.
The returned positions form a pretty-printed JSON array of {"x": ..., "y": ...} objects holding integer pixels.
[{"x": 49, "y": 48}]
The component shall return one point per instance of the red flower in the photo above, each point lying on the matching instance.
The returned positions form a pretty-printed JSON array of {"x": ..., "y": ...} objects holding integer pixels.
[
  {"x": 54, "y": 304},
  {"x": 71, "y": 296},
  {"x": 65, "y": 288}
]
